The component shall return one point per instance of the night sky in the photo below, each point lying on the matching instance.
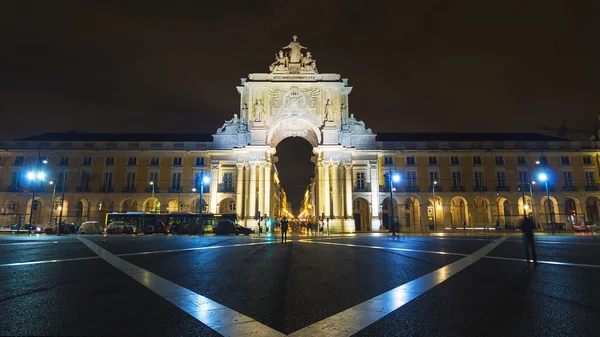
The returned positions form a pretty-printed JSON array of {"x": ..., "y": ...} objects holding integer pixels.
[{"x": 173, "y": 66}]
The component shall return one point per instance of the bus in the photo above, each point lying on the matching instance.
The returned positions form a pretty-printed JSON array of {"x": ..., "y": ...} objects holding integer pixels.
[{"x": 180, "y": 222}]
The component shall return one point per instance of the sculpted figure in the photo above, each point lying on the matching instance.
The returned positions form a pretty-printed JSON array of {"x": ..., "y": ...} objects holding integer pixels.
[
  {"x": 281, "y": 62},
  {"x": 295, "y": 50},
  {"x": 234, "y": 122},
  {"x": 308, "y": 63},
  {"x": 357, "y": 126},
  {"x": 328, "y": 113},
  {"x": 245, "y": 112},
  {"x": 259, "y": 111}
]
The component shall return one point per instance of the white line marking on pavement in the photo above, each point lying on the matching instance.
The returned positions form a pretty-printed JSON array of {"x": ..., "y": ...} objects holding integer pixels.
[
  {"x": 30, "y": 243},
  {"x": 198, "y": 248},
  {"x": 355, "y": 319},
  {"x": 569, "y": 264},
  {"x": 383, "y": 248},
  {"x": 220, "y": 318},
  {"x": 47, "y": 261}
]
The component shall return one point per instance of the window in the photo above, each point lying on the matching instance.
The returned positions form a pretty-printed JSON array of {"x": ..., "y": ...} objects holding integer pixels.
[
  {"x": 64, "y": 161},
  {"x": 456, "y": 179},
  {"x": 587, "y": 160},
  {"x": 388, "y": 161},
  {"x": 590, "y": 180},
  {"x": 130, "y": 181},
  {"x": 153, "y": 176},
  {"x": 524, "y": 178},
  {"x": 434, "y": 176},
  {"x": 87, "y": 161},
  {"x": 228, "y": 181},
  {"x": 12, "y": 206},
  {"x": 410, "y": 161},
  {"x": 84, "y": 183},
  {"x": 177, "y": 161},
  {"x": 477, "y": 160},
  {"x": 107, "y": 181},
  {"x": 521, "y": 160},
  {"x": 132, "y": 161},
  {"x": 176, "y": 180},
  {"x": 543, "y": 160},
  {"x": 568, "y": 178},
  {"x": 478, "y": 179},
  {"x": 154, "y": 161},
  {"x": 16, "y": 179},
  {"x": 360, "y": 181},
  {"x": 411, "y": 178},
  {"x": 200, "y": 161},
  {"x": 18, "y": 161},
  {"x": 501, "y": 179},
  {"x": 109, "y": 161},
  {"x": 454, "y": 160},
  {"x": 432, "y": 160},
  {"x": 565, "y": 160},
  {"x": 499, "y": 160}
]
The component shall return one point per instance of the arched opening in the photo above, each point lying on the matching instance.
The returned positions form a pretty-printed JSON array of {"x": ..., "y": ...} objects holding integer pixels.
[
  {"x": 482, "y": 213},
  {"x": 570, "y": 211},
  {"x": 549, "y": 210},
  {"x": 435, "y": 213},
  {"x": 194, "y": 206},
  {"x": 128, "y": 205},
  {"x": 79, "y": 212},
  {"x": 227, "y": 205},
  {"x": 459, "y": 212},
  {"x": 591, "y": 210},
  {"x": 528, "y": 207},
  {"x": 504, "y": 212},
  {"x": 34, "y": 215},
  {"x": 296, "y": 169},
  {"x": 104, "y": 206},
  {"x": 175, "y": 206},
  {"x": 152, "y": 205},
  {"x": 386, "y": 212},
  {"x": 361, "y": 215},
  {"x": 10, "y": 214},
  {"x": 412, "y": 213}
]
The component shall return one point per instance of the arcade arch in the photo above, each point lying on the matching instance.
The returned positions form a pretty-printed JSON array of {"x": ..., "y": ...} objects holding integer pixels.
[
  {"x": 504, "y": 211},
  {"x": 482, "y": 212},
  {"x": 152, "y": 205},
  {"x": 529, "y": 207},
  {"x": 412, "y": 213},
  {"x": 104, "y": 206},
  {"x": 571, "y": 210},
  {"x": 386, "y": 212},
  {"x": 554, "y": 216},
  {"x": 227, "y": 205},
  {"x": 459, "y": 211},
  {"x": 361, "y": 214},
  {"x": 591, "y": 210},
  {"x": 128, "y": 205}
]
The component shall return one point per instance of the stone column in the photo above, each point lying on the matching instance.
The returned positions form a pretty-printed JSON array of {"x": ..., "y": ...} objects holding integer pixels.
[
  {"x": 214, "y": 184},
  {"x": 239, "y": 191},
  {"x": 320, "y": 187},
  {"x": 246, "y": 195},
  {"x": 326, "y": 193},
  {"x": 261, "y": 188},
  {"x": 336, "y": 186},
  {"x": 424, "y": 217},
  {"x": 252, "y": 192},
  {"x": 375, "y": 221},
  {"x": 348, "y": 176},
  {"x": 267, "y": 209}
]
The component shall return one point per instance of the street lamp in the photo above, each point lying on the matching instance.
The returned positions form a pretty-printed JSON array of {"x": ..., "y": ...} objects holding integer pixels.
[
  {"x": 62, "y": 201},
  {"x": 532, "y": 201},
  {"x": 394, "y": 178},
  {"x": 33, "y": 177},
  {"x": 434, "y": 205},
  {"x": 51, "y": 182},
  {"x": 204, "y": 179},
  {"x": 152, "y": 184},
  {"x": 544, "y": 178}
]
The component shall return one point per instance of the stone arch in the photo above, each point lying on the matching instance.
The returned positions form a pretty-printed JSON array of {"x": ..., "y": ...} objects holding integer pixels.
[
  {"x": 293, "y": 127},
  {"x": 591, "y": 210},
  {"x": 412, "y": 212},
  {"x": 435, "y": 212},
  {"x": 504, "y": 210},
  {"x": 38, "y": 214},
  {"x": 529, "y": 207},
  {"x": 194, "y": 206},
  {"x": 175, "y": 205},
  {"x": 361, "y": 213},
  {"x": 554, "y": 216},
  {"x": 459, "y": 211},
  {"x": 571, "y": 211},
  {"x": 82, "y": 209},
  {"x": 128, "y": 205},
  {"x": 227, "y": 205},
  {"x": 482, "y": 212},
  {"x": 151, "y": 205},
  {"x": 386, "y": 212},
  {"x": 105, "y": 206}
]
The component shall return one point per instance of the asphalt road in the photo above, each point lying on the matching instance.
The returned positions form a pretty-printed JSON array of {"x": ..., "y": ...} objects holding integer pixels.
[{"x": 368, "y": 285}]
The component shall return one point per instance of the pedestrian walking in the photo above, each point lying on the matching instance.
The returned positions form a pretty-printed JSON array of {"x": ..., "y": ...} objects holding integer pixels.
[
  {"x": 464, "y": 225},
  {"x": 528, "y": 240},
  {"x": 284, "y": 228},
  {"x": 538, "y": 228}
]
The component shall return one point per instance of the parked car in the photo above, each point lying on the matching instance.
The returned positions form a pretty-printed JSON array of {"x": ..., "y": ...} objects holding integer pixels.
[
  {"x": 68, "y": 228},
  {"x": 50, "y": 230},
  {"x": 91, "y": 227},
  {"x": 227, "y": 227},
  {"x": 115, "y": 227}
]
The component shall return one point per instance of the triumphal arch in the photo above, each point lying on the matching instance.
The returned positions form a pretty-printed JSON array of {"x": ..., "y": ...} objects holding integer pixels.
[{"x": 295, "y": 100}]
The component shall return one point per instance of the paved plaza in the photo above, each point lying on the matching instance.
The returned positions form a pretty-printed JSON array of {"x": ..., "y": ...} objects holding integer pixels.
[{"x": 338, "y": 285}]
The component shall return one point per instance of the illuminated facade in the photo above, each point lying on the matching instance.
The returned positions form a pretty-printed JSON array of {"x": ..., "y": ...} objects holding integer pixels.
[{"x": 447, "y": 180}]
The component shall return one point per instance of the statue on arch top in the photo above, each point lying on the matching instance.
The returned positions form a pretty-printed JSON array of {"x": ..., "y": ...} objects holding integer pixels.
[
  {"x": 280, "y": 64},
  {"x": 295, "y": 48},
  {"x": 259, "y": 111},
  {"x": 308, "y": 63},
  {"x": 230, "y": 126}
]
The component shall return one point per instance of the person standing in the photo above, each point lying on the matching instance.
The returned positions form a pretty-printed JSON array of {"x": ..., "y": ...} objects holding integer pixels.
[
  {"x": 284, "y": 229},
  {"x": 464, "y": 225},
  {"x": 528, "y": 239}
]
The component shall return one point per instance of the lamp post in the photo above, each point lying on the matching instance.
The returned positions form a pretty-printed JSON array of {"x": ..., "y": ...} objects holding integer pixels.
[
  {"x": 62, "y": 201},
  {"x": 152, "y": 184},
  {"x": 434, "y": 204},
  {"x": 393, "y": 178},
  {"x": 532, "y": 201},
  {"x": 33, "y": 177},
  {"x": 544, "y": 177},
  {"x": 203, "y": 180},
  {"x": 51, "y": 182}
]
